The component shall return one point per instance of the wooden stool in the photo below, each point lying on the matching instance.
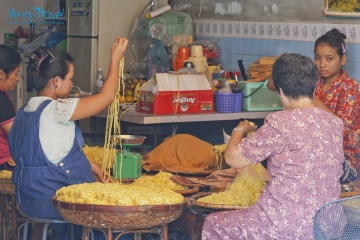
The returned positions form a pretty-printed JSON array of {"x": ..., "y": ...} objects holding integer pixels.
[
  {"x": 162, "y": 231},
  {"x": 47, "y": 222}
]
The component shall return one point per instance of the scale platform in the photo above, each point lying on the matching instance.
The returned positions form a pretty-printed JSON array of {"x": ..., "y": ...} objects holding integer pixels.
[{"x": 127, "y": 164}]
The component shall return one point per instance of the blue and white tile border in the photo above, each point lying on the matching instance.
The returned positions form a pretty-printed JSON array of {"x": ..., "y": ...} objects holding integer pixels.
[
  {"x": 250, "y": 40},
  {"x": 299, "y": 31}
]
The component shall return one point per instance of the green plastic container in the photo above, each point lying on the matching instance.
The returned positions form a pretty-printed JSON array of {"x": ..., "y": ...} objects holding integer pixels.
[{"x": 257, "y": 97}]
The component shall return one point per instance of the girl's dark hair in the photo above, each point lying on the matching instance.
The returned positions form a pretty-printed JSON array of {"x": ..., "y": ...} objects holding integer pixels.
[
  {"x": 45, "y": 65},
  {"x": 9, "y": 59},
  {"x": 333, "y": 38},
  {"x": 295, "y": 74}
]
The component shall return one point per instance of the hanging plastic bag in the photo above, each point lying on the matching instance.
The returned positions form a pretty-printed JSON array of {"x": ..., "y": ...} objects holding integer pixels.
[{"x": 157, "y": 60}]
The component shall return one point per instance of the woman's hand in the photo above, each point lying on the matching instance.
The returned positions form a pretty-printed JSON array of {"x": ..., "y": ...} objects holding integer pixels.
[
  {"x": 97, "y": 170},
  {"x": 246, "y": 127},
  {"x": 118, "y": 49}
]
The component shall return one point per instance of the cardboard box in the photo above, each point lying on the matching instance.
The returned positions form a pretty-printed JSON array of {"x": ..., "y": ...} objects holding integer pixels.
[{"x": 176, "y": 94}]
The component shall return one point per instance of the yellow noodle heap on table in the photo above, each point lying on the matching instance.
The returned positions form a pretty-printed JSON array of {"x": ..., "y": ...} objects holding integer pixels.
[
  {"x": 244, "y": 191},
  {"x": 161, "y": 180},
  {"x": 117, "y": 194},
  {"x": 95, "y": 154},
  {"x": 5, "y": 174},
  {"x": 112, "y": 126}
]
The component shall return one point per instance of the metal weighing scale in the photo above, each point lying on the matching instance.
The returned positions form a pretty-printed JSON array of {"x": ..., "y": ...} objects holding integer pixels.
[{"x": 127, "y": 164}]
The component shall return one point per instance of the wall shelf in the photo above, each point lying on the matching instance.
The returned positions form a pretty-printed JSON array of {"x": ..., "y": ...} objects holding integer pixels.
[{"x": 144, "y": 118}]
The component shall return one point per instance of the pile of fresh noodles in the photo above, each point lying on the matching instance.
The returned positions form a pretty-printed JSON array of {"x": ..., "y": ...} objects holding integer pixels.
[
  {"x": 95, "y": 154},
  {"x": 244, "y": 191},
  {"x": 117, "y": 194},
  {"x": 5, "y": 174},
  {"x": 161, "y": 180}
]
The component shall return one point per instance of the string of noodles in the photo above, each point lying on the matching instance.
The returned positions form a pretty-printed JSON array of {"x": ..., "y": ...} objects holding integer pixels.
[
  {"x": 244, "y": 191},
  {"x": 160, "y": 180},
  {"x": 217, "y": 151},
  {"x": 178, "y": 92},
  {"x": 113, "y": 126},
  {"x": 95, "y": 154},
  {"x": 117, "y": 194},
  {"x": 5, "y": 174}
]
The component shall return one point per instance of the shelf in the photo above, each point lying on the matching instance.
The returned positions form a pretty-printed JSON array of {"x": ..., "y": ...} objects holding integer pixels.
[{"x": 144, "y": 118}]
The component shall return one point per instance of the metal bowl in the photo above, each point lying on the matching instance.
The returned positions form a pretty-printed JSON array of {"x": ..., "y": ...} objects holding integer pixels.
[
  {"x": 347, "y": 187},
  {"x": 128, "y": 139}
]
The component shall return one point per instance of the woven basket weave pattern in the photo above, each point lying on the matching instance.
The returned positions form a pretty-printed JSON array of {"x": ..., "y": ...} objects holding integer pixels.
[
  {"x": 6, "y": 187},
  {"x": 124, "y": 219}
]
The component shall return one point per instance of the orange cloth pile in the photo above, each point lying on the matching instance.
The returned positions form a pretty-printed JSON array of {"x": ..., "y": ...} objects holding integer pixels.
[
  {"x": 261, "y": 69},
  {"x": 181, "y": 153}
]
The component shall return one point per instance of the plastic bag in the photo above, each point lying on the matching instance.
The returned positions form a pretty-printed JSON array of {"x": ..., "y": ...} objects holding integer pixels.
[
  {"x": 211, "y": 50},
  {"x": 157, "y": 60},
  {"x": 226, "y": 89},
  {"x": 175, "y": 29},
  {"x": 39, "y": 41}
]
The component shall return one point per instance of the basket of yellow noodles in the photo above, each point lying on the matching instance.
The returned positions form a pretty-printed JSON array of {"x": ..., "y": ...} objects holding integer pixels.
[
  {"x": 6, "y": 187},
  {"x": 118, "y": 206}
]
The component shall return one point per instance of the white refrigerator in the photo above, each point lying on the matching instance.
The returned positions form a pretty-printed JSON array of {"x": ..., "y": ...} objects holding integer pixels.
[{"x": 92, "y": 26}]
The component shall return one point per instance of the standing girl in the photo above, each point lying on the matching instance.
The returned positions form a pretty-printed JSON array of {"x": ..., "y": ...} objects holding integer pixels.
[
  {"x": 9, "y": 75},
  {"x": 338, "y": 93}
]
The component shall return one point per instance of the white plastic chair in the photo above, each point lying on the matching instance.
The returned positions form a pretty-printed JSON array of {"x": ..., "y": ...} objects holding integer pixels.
[{"x": 338, "y": 220}]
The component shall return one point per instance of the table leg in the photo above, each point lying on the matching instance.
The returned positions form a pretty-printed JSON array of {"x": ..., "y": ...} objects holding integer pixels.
[
  {"x": 13, "y": 217},
  {"x": 85, "y": 233},
  {"x": 109, "y": 234},
  {"x": 166, "y": 232},
  {"x": 2, "y": 209}
]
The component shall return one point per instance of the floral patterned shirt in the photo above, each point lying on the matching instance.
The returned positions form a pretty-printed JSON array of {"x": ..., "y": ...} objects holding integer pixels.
[
  {"x": 343, "y": 98},
  {"x": 305, "y": 156}
]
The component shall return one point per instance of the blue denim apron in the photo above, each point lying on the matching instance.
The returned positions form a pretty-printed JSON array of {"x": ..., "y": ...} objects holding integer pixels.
[{"x": 36, "y": 179}]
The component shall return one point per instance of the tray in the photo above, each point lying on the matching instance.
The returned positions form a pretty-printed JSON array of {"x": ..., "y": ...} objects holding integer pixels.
[
  {"x": 6, "y": 187},
  {"x": 203, "y": 173},
  {"x": 118, "y": 217},
  {"x": 220, "y": 207},
  {"x": 191, "y": 190}
]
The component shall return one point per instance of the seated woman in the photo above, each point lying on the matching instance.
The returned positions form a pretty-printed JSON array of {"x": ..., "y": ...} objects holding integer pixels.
[
  {"x": 10, "y": 61},
  {"x": 303, "y": 145},
  {"x": 45, "y": 142}
]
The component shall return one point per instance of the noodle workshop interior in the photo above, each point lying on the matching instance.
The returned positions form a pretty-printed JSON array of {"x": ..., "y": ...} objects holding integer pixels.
[{"x": 192, "y": 75}]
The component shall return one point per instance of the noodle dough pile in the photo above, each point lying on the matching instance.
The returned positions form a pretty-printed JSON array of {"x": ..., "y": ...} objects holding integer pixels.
[
  {"x": 161, "y": 180},
  {"x": 5, "y": 174},
  {"x": 117, "y": 194},
  {"x": 244, "y": 191}
]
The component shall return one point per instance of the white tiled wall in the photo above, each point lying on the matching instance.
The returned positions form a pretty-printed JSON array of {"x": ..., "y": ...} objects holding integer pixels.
[{"x": 251, "y": 40}]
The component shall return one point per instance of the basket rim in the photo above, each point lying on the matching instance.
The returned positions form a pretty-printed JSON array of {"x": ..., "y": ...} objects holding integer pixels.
[
  {"x": 193, "y": 201},
  {"x": 5, "y": 180},
  {"x": 115, "y": 209},
  {"x": 188, "y": 191}
]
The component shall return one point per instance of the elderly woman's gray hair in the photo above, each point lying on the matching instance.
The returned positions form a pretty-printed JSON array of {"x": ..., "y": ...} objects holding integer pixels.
[{"x": 295, "y": 74}]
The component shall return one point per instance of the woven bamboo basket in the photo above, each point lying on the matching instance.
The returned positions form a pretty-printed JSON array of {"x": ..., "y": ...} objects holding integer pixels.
[
  {"x": 118, "y": 217},
  {"x": 6, "y": 187},
  {"x": 221, "y": 207}
]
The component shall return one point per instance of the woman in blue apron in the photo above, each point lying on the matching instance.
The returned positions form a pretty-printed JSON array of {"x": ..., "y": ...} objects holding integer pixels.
[{"x": 45, "y": 142}]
